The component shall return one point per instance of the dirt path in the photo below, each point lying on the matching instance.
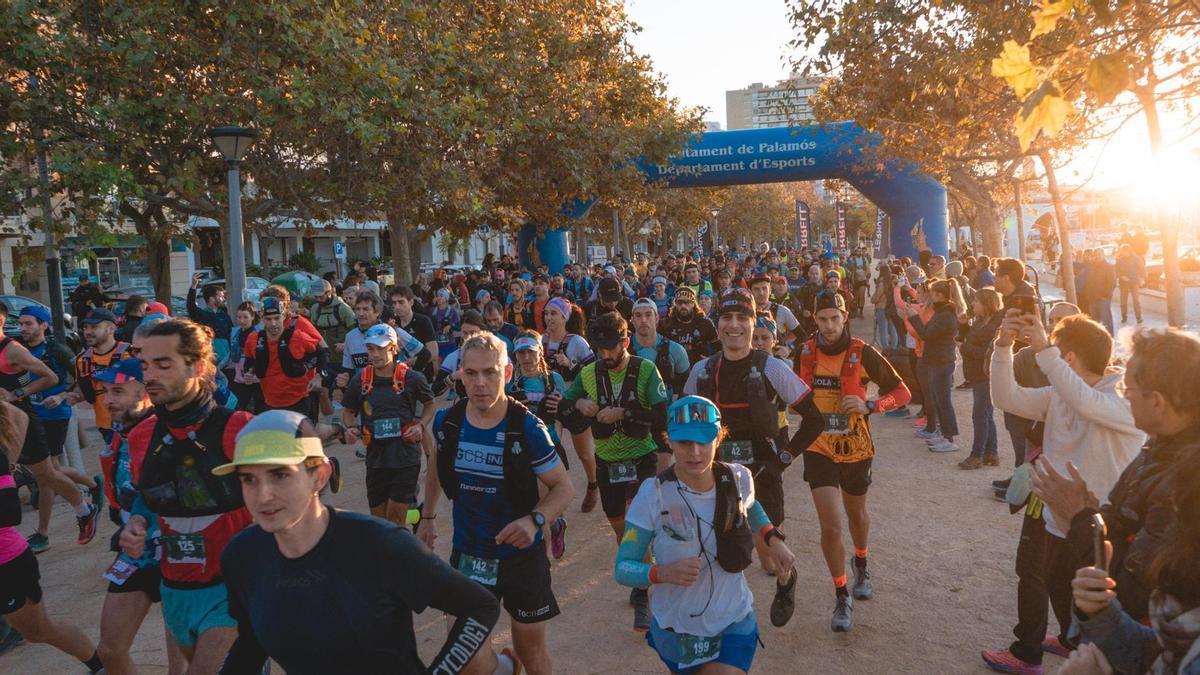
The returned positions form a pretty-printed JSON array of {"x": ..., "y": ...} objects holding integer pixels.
[{"x": 942, "y": 555}]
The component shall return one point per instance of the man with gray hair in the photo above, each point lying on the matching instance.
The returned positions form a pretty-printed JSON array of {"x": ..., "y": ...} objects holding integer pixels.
[{"x": 493, "y": 455}]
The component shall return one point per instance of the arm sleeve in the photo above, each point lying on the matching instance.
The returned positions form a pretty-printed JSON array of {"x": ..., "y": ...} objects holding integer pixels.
[
  {"x": 812, "y": 423},
  {"x": 1107, "y": 409},
  {"x": 893, "y": 393},
  {"x": 631, "y": 568},
  {"x": 1010, "y": 397},
  {"x": 758, "y": 518}
]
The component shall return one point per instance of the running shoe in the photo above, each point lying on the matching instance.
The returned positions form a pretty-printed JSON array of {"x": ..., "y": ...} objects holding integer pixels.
[
  {"x": 361, "y": 453},
  {"x": 991, "y": 459},
  {"x": 335, "y": 480},
  {"x": 558, "y": 538},
  {"x": 516, "y": 663},
  {"x": 843, "y": 614},
  {"x": 641, "y": 611},
  {"x": 862, "y": 589},
  {"x": 1001, "y": 484},
  {"x": 1055, "y": 646},
  {"x": 38, "y": 542},
  {"x": 87, "y": 525},
  {"x": 784, "y": 603},
  {"x": 9, "y": 637},
  {"x": 1003, "y": 661},
  {"x": 926, "y": 435},
  {"x": 590, "y": 499},
  {"x": 943, "y": 445},
  {"x": 971, "y": 462},
  {"x": 898, "y": 413},
  {"x": 97, "y": 494}
]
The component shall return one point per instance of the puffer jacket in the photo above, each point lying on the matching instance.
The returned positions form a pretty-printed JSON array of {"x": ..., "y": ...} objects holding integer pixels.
[
  {"x": 976, "y": 347},
  {"x": 938, "y": 334}
]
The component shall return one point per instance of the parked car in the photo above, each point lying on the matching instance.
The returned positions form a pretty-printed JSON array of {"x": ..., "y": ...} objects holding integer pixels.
[
  {"x": 1189, "y": 261},
  {"x": 16, "y": 303},
  {"x": 254, "y": 286},
  {"x": 116, "y": 298}
]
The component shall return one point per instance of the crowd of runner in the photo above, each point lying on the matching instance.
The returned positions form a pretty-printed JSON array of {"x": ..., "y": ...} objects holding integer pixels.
[{"x": 688, "y": 386}]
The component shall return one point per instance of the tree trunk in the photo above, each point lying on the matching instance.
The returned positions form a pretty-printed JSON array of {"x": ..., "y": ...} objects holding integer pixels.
[
  {"x": 1066, "y": 259},
  {"x": 152, "y": 225},
  {"x": 1168, "y": 227},
  {"x": 1019, "y": 208},
  {"x": 402, "y": 269}
]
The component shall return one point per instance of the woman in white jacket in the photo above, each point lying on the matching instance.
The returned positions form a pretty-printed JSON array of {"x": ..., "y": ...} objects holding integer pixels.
[{"x": 1087, "y": 425}]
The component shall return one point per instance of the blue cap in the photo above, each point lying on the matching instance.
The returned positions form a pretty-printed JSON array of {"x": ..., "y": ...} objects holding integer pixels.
[
  {"x": 99, "y": 315},
  {"x": 693, "y": 418},
  {"x": 122, "y": 371},
  {"x": 36, "y": 311},
  {"x": 271, "y": 305},
  {"x": 380, "y": 335}
]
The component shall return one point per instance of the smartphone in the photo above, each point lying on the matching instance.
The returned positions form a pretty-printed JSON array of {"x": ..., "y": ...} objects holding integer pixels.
[
  {"x": 1099, "y": 533},
  {"x": 1026, "y": 304}
]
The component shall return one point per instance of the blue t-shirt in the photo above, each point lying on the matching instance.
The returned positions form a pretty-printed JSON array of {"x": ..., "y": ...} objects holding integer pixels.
[
  {"x": 62, "y": 412},
  {"x": 481, "y": 508},
  {"x": 535, "y": 391},
  {"x": 675, "y": 352}
]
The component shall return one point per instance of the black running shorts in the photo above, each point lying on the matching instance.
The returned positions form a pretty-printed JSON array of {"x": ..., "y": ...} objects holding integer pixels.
[
  {"x": 523, "y": 585},
  {"x": 19, "y": 582},
  {"x": 146, "y": 580},
  {"x": 397, "y": 485},
  {"x": 852, "y": 477},
  {"x": 615, "y": 497}
]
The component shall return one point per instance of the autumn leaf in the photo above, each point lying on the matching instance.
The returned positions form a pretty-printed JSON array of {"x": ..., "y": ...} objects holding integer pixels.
[
  {"x": 1013, "y": 66},
  {"x": 1108, "y": 76},
  {"x": 1044, "y": 111},
  {"x": 1047, "y": 16}
]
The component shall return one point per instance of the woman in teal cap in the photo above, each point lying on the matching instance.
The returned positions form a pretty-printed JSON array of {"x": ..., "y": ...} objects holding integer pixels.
[{"x": 698, "y": 516}]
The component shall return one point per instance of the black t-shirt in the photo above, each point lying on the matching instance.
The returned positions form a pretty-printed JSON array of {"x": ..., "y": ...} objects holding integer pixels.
[
  {"x": 697, "y": 336},
  {"x": 420, "y": 327},
  {"x": 384, "y": 413},
  {"x": 347, "y": 605}
]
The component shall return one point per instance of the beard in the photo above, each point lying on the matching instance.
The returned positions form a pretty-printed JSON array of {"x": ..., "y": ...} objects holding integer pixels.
[{"x": 167, "y": 395}]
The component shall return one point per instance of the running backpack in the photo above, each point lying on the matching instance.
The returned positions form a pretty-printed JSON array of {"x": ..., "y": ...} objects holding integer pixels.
[
  {"x": 731, "y": 524},
  {"x": 520, "y": 482}
]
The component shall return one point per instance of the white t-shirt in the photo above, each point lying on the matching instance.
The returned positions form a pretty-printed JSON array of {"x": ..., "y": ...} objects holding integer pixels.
[
  {"x": 354, "y": 348},
  {"x": 673, "y": 605}
]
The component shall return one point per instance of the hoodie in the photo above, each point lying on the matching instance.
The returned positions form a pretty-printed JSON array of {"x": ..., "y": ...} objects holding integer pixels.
[{"x": 1091, "y": 427}]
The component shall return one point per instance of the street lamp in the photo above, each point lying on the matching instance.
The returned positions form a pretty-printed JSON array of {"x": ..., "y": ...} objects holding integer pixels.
[
  {"x": 716, "y": 233},
  {"x": 233, "y": 142}
]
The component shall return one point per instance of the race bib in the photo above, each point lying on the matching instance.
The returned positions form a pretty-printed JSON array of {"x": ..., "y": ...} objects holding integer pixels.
[
  {"x": 184, "y": 549},
  {"x": 358, "y": 360},
  {"x": 482, "y": 570},
  {"x": 737, "y": 452},
  {"x": 120, "y": 571},
  {"x": 622, "y": 472},
  {"x": 837, "y": 423},
  {"x": 695, "y": 650},
  {"x": 388, "y": 427}
]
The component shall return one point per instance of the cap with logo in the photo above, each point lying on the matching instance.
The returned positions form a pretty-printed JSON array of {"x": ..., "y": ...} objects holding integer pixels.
[
  {"x": 609, "y": 289},
  {"x": 607, "y": 337},
  {"x": 125, "y": 370},
  {"x": 693, "y": 418},
  {"x": 737, "y": 300},
  {"x": 381, "y": 335},
  {"x": 271, "y": 306},
  {"x": 829, "y": 300},
  {"x": 274, "y": 438},
  {"x": 99, "y": 315}
]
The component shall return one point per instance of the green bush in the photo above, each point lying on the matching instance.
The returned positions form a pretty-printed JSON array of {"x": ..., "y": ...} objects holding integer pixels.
[
  {"x": 253, "y": 270},
  {"x": 305, "y": 261}
]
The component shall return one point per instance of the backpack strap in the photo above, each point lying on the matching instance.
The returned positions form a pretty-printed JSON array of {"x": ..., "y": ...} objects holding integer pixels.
[
  {"x": 448, "y": 437},
  {"x": 520, "y": 481}
]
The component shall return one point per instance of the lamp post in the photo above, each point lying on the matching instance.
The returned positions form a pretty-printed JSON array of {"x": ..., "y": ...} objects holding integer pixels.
[
  {"x": 716, "y": 231},
  {"x": 233, "y": 142}
]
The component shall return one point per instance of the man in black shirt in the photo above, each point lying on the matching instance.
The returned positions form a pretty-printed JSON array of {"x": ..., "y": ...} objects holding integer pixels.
[
  {"x": 685, "y": 325},
  {"x": 326, "y": 591},
  {"x": 609, "y": 298},
  {"x": 417, "y": 325}
]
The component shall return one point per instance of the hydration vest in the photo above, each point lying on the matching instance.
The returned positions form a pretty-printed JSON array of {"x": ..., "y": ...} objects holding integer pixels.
[
  {"x": 731, "y": 523},
  {"x": 568, "y": 372},
  {"x": 290, "y": 365},
  {"x": 176, "y": 477},
  {"x": 399, "y": 372},
  {"x": 87, "y": 368},
  {"x": 628, "y": 398},
  {"x": 852, "y": 367},
  {"x": 761, "y": 398},
  {"x": 520, "y": 482},
  {"x": 662, "y": 357},
  {"x": 521, "y": 396}
]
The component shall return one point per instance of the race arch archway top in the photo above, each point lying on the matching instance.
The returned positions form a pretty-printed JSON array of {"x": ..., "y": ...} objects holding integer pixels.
[{"x": 915, "y": 202}]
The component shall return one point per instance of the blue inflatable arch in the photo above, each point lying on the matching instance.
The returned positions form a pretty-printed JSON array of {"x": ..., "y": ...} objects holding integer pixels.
[{"x": 915, "y": 202}]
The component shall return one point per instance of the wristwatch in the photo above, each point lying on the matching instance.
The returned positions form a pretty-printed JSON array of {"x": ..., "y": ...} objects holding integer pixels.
[
  {"x": 18, "y": 393},
  {"x": 538, "y": 519},
  {"x": 871, "y": 405}
]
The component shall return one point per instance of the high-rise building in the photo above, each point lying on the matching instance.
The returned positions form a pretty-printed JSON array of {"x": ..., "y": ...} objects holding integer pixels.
[{"x": 760, "y": 106}]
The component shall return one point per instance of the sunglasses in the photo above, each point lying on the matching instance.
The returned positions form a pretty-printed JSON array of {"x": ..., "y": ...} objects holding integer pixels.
[{"x": 695, "y": 412}]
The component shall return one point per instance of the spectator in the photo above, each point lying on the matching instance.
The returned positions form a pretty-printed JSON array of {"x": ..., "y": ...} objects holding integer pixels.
[
  {"x": 1088, "y": 426},
  {"x": 135, "y": 310},
  {"x": 937, "y": 360},
  {"x": 1101, "y": 282},
  {"x": 976, "y": 347},
  {"x": 85, "y": 297},
  {"x": 983, "y": 273},
  {"x": 1131, "y": 274}
]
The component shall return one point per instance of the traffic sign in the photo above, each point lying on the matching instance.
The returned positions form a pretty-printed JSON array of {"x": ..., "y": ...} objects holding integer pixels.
[
  {"x": 484, "y": 230},
  {"x": 339, "y": 250}
]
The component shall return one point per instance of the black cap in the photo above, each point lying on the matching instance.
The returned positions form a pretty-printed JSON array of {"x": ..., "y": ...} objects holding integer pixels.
[
  {"x": 737, "y": 300},
  {"x": 541, "y": 277},
  {"x": 609, "y": 289},
  {"x": 828, "y": 300},
  {"x": 607, "y": 335},
  {"x": 760, "y": 278},
  {"x": 99, "y": 315}
]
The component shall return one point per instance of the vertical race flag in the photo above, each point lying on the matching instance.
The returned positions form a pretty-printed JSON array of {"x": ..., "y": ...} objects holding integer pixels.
[
  {"x": 880, "y": 221},
  {"x": 802, "y": 215},
  {"x": 841, "y": 225}
]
